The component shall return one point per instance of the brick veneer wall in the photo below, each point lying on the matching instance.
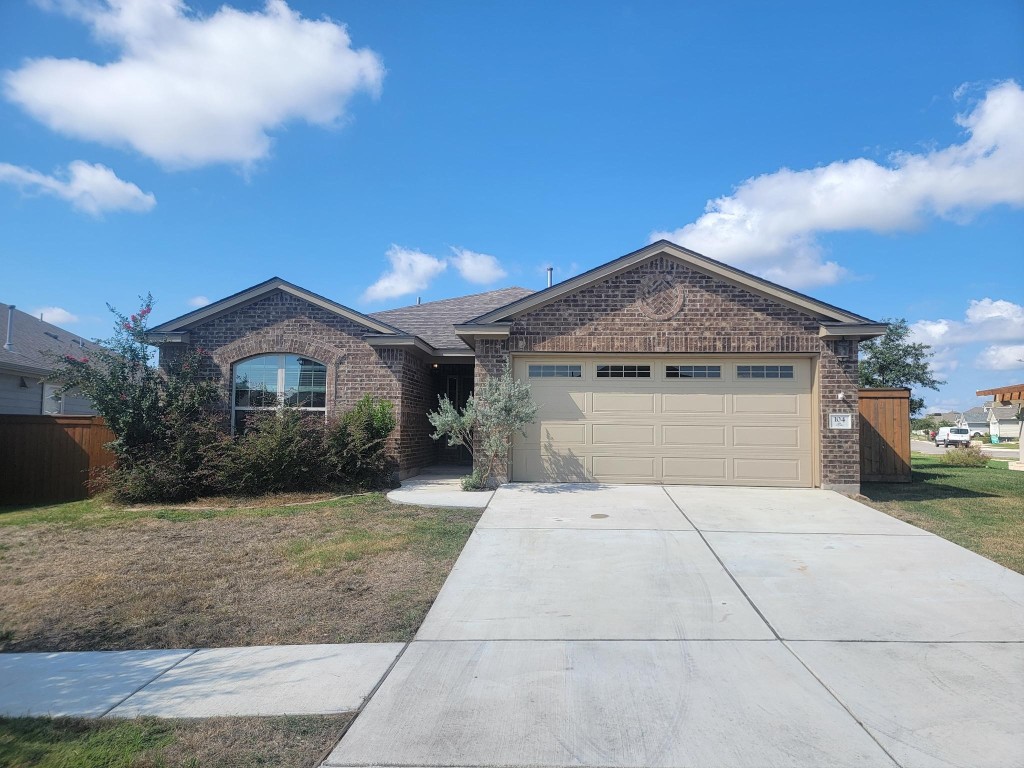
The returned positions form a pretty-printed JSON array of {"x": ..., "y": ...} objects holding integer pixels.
[
  {"x": 716, "y": 317},
  {"x": 282, "y": 323}
]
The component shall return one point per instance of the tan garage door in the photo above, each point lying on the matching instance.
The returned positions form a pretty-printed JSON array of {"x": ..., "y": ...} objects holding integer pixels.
[{"x": 619, "y": 419}]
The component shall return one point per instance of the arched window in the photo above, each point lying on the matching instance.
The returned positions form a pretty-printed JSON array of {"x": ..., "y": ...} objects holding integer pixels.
[{"x": 268, "y": 382}]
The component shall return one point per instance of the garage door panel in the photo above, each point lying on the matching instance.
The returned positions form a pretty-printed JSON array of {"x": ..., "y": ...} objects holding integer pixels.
[
  {"x": 676, "y": 435},
  {"x": 541, "y": 433},
  {"x": 530, "y": 465},
  {"x": 760, "y": 436},
  {"x": 693, "y": 403},
  {"x": 625, "y": 468},
  {"x": 694, "y": 469},
  {"x": 623, "y": 402},
  {"x": 760, "y": 403},
  {"x": 559, "y": 404},
  {"x": 761, "y": 470},
  {"x": 624, "y": 434},
  {"x": 716, "y": 431}
]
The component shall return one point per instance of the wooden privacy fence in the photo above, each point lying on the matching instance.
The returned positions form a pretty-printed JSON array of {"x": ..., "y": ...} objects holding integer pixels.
[
  {"x": 48, "y": 458},
  {"x": 885, "y": 435}
]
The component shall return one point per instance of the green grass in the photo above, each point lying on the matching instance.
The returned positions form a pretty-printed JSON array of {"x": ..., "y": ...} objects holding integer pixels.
[
  {"x": 980, "y": 508},
  {"x": 239, "y": 742},
  {"x": 99, "y": 512}
]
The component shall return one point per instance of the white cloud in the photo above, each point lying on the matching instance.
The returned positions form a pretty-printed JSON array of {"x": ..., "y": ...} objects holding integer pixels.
[
  {"x": 477, "y": 267},
  {"x": 190, "y": 90},
  {"x": 198, "y": 301},
  {"x": 410, "y": 271},
  {"x": 999, "y": 357},
  {"x": 770, "y": 224},
  {"x": 55, "y": 315},
  {"x": 984, "y": 320},
  {"x": 94, "y": 189}
]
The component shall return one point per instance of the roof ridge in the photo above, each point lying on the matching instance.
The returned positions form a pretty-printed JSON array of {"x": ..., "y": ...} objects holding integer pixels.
[{"x": 454, "y": 298}]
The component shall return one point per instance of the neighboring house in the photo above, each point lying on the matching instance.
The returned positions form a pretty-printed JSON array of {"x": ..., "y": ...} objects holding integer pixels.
[
  {"x": 1011, "y": 396},
  {"x": 663, "y": 366},
  {"x": 1003, "y": 422},
  {"x": 26, "y": 364},
  {"x": 975, "y": 419},
  {"x": 948, "y": 416}
]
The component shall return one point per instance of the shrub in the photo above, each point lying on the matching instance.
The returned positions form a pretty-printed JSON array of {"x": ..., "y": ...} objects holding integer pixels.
[
  {"x": 968, "y": 456},
  {"x": 279, "y": 451},
  {"x": 357, "y": 444},
  {"x": 475, "y": 481},
  {"x": 487, "y": 424}
]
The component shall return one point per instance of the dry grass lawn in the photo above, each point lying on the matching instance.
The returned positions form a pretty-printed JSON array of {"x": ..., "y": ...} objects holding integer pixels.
[
  {"x": 92, "y": 576},
  {"x": 221, "y": 742},
  {"x": 980, "y": 508}
]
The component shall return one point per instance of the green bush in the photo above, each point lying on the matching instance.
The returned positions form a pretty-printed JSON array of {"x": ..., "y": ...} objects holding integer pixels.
[
  {"x": 475, "y": 481},
  {"x": 357, "y": 444},
  {"x": 279, "y": 451},
  {"x": 968, "y": 456}
]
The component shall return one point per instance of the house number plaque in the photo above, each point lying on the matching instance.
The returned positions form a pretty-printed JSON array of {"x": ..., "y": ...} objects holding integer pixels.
[{"x": 840, "y": 421}]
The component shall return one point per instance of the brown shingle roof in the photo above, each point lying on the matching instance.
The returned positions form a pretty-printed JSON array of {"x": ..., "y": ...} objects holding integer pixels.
[{"x": 434, "y": 321}]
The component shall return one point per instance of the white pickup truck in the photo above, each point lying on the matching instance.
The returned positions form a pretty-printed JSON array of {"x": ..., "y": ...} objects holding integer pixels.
[{"x": 948, "y": 436}]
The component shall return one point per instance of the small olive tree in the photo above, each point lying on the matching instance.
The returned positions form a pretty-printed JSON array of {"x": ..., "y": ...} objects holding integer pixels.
[{"x": 486, "y": 425}]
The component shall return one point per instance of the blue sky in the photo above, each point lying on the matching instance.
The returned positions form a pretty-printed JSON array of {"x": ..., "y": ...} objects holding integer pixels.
[{"x": 869, "y": 154}]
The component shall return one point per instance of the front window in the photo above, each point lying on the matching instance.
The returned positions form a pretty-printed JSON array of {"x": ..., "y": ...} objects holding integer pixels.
[{"x": 268, "y": 382}]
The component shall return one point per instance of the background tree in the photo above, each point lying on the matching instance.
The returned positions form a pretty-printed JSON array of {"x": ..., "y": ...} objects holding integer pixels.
[{"x": 893, "y": 361}]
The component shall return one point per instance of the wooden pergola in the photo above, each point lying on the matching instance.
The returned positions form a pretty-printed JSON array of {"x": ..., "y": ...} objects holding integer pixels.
[
  {"x": 1009, "y": 395},
  {"x": 1014, "y": 393}
]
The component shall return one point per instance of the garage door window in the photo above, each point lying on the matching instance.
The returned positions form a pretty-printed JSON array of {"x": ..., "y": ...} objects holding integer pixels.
[
  {"x": 693, "y": 371},
  {"x": 556, "y": 371},
  {"x": 623, "y": 371},
  {"x": 764, "y": 371}
]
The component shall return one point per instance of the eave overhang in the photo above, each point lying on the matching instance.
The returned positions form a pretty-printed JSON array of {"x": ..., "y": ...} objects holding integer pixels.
[
  {"x": 250, "y": 295},
  {"x": 1012, "y": 393},
  {"x": 472, "y": 332},
  {"x": 852, "y": 330},
  {"x": 177, "y": 337}
]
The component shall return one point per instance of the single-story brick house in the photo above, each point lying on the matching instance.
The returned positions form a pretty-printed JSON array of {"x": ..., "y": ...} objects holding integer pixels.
[{"x": 662, "y": 366}]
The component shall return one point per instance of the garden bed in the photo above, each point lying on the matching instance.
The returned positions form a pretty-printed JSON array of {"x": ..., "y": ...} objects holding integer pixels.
[{"x": 95, "y": 576}]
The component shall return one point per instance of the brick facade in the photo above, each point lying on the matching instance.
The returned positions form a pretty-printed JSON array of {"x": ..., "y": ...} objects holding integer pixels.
[
  {"x": 282, "y": 323},
  {"x": 716, "y": 316}
]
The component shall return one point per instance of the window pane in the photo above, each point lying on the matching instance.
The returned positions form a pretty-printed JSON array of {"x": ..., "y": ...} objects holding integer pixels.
[
  {"x": 693, "y": 371},
  {"x": 764, "y": 371},
  {"x": 555, "y": 371},
  {"x": 623, "y": 371}
]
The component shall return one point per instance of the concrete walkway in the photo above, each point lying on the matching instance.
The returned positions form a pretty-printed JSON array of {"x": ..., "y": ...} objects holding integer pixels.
[
  {"x": 439, "y": 487},
  {"x": 262, "y": 680},
  {"x": 589, "y": 625}
]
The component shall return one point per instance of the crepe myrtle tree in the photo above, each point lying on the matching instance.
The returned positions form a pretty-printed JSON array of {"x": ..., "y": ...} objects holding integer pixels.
[
  {"x": 146, "y": 409},
  {"x": 492, "y": 416},
  {"x": 893, "y": 361}
]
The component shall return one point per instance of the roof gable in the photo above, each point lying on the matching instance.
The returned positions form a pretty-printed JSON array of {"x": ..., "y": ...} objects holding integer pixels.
[
  {"x": 826, "y": 313},
  {"x": 184, "y": 322}
]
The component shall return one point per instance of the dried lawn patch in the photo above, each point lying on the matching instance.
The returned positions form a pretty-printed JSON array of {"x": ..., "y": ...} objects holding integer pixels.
[
  {"x": 356, "y": 569},
  {"x": 220, "y": 742}
]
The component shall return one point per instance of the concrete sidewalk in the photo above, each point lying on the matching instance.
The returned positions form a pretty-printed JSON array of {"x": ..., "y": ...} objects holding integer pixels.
[
  {"x": 588, "y": 625},
  {"x": 261, "y": 680}
]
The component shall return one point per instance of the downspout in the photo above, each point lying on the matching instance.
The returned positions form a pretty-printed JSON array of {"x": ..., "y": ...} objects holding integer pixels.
[{"x": 10, "y": 324}]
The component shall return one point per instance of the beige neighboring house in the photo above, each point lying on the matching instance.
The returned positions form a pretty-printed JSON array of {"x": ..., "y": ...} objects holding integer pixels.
[
  {"x": 26, "y": 364},
  {"x": 1009, "y": 397},
  {"x": 1003, "y": 422}
]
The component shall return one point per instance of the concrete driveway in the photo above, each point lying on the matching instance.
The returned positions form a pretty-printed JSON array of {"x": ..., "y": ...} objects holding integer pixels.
[{"x": 589, "y": 625}]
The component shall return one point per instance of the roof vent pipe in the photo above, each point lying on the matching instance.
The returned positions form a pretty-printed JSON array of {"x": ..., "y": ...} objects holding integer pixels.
[
  {"x": 419, "y": 300},
  {"x": 551, "y": 271},
  {"x": 10, "y": 323}
]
